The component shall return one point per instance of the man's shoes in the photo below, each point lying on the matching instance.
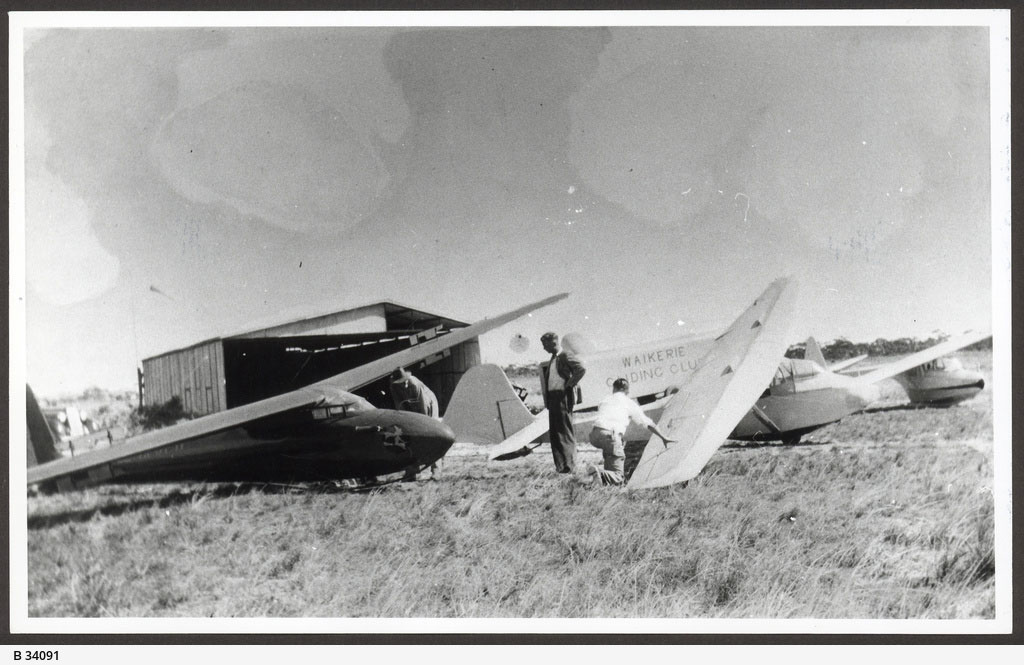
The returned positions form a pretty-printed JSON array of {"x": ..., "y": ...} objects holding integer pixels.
[{"x": 587, "y": 474}]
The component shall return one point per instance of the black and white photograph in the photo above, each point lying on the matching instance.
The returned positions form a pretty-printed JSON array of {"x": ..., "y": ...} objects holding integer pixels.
[{"x": 589, "y": 323}]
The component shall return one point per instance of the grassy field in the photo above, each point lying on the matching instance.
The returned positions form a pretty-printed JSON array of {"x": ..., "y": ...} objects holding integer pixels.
[{"x": 887, "y": 514}]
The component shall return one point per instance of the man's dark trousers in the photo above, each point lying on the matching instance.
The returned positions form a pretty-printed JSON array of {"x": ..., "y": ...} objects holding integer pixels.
[{"x": 563, "y": 438}]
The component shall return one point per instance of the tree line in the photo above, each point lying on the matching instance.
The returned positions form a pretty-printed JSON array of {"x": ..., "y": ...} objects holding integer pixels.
[{"x": 842, "y": 348}]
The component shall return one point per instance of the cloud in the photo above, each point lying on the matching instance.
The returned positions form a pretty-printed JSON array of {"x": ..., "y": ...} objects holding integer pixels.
[
  {"x": 276, "y": 152},
  {"x": 101, "y": 94},
  {"x": 490, "y": 104},
  {"x": 837, "y": 135},
  {"x": 344, "y": 66},
  {"x": 856, "y": 161},
  {"x": 65, "y": 263},
  {"x": 653, "y": 131}
]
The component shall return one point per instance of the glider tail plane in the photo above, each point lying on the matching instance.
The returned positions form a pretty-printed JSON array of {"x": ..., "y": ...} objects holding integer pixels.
[
  {"x": 485, "y": 409},
  {"x": 813, "y": 352},
  {"x": 40, "y": 438}
]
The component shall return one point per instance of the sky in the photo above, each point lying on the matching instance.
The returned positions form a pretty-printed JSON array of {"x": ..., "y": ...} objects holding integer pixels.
[{"x": 183, "y": 183}]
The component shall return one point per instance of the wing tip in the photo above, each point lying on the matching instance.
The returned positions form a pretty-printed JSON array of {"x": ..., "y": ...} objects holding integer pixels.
[
  {"x": 543, "y": 302},
  {"x": 559, "y": 296}
]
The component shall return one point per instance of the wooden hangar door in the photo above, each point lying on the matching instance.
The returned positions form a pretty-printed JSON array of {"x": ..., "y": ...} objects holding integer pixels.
[{"x": 442, "y": 373}]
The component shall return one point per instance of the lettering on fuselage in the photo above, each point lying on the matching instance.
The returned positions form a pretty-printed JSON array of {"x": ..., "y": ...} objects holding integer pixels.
[
  {"x": 655, "y": 365},
  {"x": 651, "y": 357}
]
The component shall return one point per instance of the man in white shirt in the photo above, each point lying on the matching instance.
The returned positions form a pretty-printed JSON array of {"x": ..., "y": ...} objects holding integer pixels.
[{"x": 613, "y": 416}]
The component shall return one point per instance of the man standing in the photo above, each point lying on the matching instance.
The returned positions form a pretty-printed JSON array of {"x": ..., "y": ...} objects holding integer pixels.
[
  {"x": 613, "y": 416},
  {"x": 411, "y": 394},
  {"x": 560, "y": 381}
]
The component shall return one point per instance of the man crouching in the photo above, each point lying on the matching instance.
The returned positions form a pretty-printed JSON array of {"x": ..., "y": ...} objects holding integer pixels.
[{"x": 613, "y": 416}]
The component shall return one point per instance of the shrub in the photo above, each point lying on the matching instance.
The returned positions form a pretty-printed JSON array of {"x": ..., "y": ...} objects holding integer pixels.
[{"x": 150, "y": 417}]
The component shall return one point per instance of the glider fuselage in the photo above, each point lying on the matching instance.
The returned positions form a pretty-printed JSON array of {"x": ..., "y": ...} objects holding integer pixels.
[
  {"x": 378, "y": 442},
  {"x": 302, "y": 447},
  {"x": 802, "y": 397},
  {"x": 943, "y": 382}
]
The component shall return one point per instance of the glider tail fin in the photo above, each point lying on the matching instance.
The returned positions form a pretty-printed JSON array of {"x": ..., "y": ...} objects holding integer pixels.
[
  {"x": 40, "y": 439},
  {"x": 485, "y": 408},
  {"x": 813, "y": 352}
]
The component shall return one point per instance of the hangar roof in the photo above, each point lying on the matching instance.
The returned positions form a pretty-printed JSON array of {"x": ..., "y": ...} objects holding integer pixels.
[
  {"x": 396, "y": 316},
  {"x": 398, "y": 319}
]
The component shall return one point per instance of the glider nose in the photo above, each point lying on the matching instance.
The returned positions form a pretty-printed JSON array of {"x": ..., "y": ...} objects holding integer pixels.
[{"x": 429, "y": 438}]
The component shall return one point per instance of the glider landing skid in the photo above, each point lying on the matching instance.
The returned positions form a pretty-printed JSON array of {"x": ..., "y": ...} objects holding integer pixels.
[{"x": 353, "y": 485}]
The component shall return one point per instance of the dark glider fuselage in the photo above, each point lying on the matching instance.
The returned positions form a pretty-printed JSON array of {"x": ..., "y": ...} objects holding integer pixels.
[{"x": 376, "y": 443}]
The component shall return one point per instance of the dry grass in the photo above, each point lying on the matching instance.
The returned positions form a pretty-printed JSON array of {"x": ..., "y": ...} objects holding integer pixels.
[
  {"x": 884, "y": 515},
  {"x": 837, "y": 532}
]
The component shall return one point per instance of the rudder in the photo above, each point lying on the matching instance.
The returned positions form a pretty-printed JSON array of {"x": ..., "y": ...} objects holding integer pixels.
[
  {"x": 813, "y": 352},
  {"x": 39, "y": 437},
  {"x": 485, "y": 409}
]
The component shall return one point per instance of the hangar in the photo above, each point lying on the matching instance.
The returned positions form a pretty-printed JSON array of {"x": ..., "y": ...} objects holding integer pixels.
[{"x": 225, "y": 372}]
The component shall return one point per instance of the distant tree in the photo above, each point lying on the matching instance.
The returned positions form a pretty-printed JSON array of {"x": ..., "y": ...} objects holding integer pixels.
[
  {"x": 798, "y": 350},
  {"x": 983, "y": 345},
  {"x": 521, "y": 371},
  {"x": 94, "y": 393},
  {"x": 150, "y": 417},
  {"x": 840, "y": 349}
]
